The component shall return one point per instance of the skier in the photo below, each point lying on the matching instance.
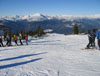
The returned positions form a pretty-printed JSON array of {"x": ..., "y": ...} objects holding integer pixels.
[
  {"x": 8, "y": 40},
  {"x": 26, "y": 38},
  {"x": 1, "y": 43},
  {"x": 20, "y": 38},
  {"x": 93, "y": 37},
  {"x": 98, "y": 37},
  {"x": 90, "y": 39},
  {"x": 15, "y": 39}
]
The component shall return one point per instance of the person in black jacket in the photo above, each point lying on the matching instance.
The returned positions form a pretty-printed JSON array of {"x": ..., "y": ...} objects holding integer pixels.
[
  {"x": 1, "y": 43},
  {"x": 93, "y": 37},
  {"x": 90, "y": 39},
  {"x": 8, "y": 37}
]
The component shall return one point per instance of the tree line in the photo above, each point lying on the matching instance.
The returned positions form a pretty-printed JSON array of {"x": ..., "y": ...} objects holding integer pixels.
[
  {"x": 76, "y": 29},
  {"x": 38, "y": 32}
]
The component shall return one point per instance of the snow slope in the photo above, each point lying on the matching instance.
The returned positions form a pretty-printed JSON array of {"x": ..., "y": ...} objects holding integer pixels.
[{"x": 55, "y": 55}]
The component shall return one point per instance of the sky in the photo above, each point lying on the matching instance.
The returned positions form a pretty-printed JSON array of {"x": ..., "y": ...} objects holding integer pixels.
[{"x": 51, "y": 7}]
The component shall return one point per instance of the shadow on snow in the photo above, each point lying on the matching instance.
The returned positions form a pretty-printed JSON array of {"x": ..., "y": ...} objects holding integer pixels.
[
  {"x": 20, "y": 63},
  {"x": 45, "y": 41},
  {"x": 46, "y": 44},
  {"x": 8, "y": 49},
  {"x": 22, "y": 56}
]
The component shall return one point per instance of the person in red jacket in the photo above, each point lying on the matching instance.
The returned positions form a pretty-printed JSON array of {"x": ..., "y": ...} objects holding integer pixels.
[{"x": 26, "y": 38}]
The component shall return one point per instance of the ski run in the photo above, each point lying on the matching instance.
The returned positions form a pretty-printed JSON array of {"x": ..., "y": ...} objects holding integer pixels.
[{"x": 53, "y": 55}]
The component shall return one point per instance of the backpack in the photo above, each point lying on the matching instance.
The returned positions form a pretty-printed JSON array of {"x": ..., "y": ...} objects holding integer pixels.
[
  {"x": 26, "y": 38},
  {"x": 15, "y": 38}
]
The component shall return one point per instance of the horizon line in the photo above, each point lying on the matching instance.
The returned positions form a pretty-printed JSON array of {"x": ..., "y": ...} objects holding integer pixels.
[{"x": 52, "y": 14}]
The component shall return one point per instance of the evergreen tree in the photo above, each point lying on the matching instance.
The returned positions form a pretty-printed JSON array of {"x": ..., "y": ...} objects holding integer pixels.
[
  {"x": 21, "y": 31},
  {"x": 82, "y": 31},
  {"x": 75, "y": 29},
  {"x": 30, "y": 33},
  {"x": 17, "y": 33},
  {"x": 39, "y": 31}
]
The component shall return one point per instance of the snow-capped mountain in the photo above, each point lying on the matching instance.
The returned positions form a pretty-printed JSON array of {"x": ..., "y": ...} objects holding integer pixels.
[
  {"x": 41, "y": 17},
  {"x": 58, "y": 23},
  {"x": 34, "y": 17}
]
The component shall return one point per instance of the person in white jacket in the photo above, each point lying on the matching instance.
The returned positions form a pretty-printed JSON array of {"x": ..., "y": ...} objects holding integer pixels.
[{"x": 20, "y": 38}]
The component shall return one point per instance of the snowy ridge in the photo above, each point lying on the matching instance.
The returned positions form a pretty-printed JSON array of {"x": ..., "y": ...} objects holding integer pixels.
[{"x": 42, "y": 17}]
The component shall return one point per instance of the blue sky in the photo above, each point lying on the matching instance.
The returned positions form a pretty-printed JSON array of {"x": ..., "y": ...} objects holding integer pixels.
[{"x": 52, "y": 7}]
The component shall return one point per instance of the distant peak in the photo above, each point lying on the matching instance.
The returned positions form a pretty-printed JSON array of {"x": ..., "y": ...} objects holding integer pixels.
[{"x": 36, "y": 14}]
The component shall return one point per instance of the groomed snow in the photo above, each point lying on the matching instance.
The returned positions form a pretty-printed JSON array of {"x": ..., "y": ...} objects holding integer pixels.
[{"x": 54, "y": 55}]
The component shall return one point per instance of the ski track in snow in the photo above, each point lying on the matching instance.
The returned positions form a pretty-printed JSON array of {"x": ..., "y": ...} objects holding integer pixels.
[{"x": 55, "y": 55}]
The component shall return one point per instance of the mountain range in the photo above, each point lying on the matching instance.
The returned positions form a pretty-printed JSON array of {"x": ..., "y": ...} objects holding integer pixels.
[{"x": 58, "y": 23}]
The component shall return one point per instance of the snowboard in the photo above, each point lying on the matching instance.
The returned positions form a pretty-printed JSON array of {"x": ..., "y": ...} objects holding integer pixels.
[{"x": 90, "y": 49}]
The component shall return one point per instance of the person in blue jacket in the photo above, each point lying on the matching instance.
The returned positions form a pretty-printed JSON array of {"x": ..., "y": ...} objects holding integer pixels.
[{"x": 98, "y": 37}]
